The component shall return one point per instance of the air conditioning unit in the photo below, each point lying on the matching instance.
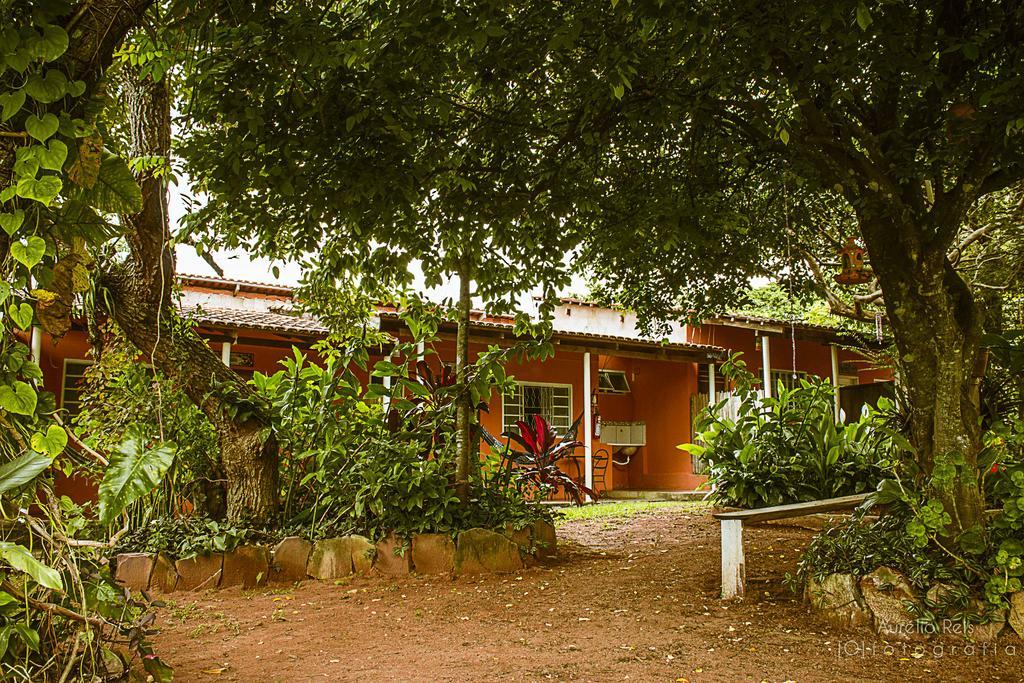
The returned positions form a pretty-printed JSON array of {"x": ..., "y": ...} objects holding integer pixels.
[{"x": 624, "y": 433}]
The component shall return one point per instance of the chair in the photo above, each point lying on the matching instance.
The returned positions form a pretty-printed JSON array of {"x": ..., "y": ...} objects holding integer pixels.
[{"x": 599, "y": 465}]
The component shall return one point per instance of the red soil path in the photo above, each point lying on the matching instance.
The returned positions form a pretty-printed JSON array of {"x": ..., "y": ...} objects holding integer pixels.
[{"x": 628, "y": 599}]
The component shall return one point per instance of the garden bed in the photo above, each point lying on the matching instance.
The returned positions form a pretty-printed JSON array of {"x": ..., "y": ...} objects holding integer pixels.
[{"x": 474, "y": 551}]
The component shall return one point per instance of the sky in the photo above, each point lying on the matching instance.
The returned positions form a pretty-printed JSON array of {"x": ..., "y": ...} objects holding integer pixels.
[{"x": 236, "y": 264}]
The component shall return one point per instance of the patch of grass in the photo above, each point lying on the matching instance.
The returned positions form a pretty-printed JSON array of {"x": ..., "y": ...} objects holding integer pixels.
[
  {"x": 183, "y": 612},
  {"x": 622, "y": 509}
]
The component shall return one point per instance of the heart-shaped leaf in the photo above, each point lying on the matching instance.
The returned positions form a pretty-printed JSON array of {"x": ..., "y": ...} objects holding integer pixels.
[
  {"x": 22, "y": 470},
  {"x": 42, "y": 128},
  {"x": 47, "y": 88},
  {"x": 5, "y": 291},
  {"x": 43, "y": 190},
  {"x": 52, "y": 44},
  {"x": 28, "y": 252},
  {"x": 53, "y": 155},
  {"x": 9, "y": 39},
  {"x": 76, "y": 88},
  {"x": 10, "y": 222},
  {"x": 11, "y": 103},
  {"x": 21, "y": 314},
  {"x": 18, "y": 398},
  {"x": 27, "y": 166},
  {"x": 19, "y": 59},
  {"x": 19, "y": 557},
  {"x": 52, "y": 442}
]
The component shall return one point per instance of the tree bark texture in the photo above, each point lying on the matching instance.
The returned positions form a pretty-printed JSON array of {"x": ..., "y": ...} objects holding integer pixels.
[
  {"x": 142, "y": 305},
  {"x": 937, "y": 324},
  {"x": 464, "y": 409}
]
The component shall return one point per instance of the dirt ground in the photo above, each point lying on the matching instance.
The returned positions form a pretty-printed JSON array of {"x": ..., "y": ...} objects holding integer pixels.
[{"x": 631, "y": 598}]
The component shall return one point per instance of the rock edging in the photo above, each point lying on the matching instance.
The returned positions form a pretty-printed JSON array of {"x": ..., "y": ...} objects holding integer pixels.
[
  {"x": 885, "y": 601},
  {"x": 473, "y": 551}
]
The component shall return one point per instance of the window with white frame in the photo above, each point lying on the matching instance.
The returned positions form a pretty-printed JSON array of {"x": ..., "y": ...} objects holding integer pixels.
[
  {"x": 71, "y": 388},
  {"x": 612, "y": 382},
  {"x": 788, "y": 378},
  {"x": 553, "y": 402}
]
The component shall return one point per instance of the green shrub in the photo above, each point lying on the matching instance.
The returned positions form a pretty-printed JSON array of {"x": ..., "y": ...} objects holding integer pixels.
[
  {"x": 124, "y": 398},
  {"x": 859, "y": 545},
  {"x": 789, "y": 448},
  {"x": 181, "y": 537},
  {"x": 349, "y": 466},
  {"x": 983, "y": 562}
]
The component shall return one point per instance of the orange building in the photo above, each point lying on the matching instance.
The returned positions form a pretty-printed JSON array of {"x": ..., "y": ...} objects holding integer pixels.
[{"x": 637, "y": 397}]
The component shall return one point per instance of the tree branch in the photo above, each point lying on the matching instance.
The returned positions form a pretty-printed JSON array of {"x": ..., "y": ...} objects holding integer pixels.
[{"x": 835, "y": 304}]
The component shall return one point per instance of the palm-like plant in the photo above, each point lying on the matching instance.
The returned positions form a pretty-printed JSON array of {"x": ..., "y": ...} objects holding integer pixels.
[{"x": 538, "y": 461}]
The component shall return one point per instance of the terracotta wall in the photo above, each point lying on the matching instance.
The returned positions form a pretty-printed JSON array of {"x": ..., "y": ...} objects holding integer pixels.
[
  {"x": 812, "y": 357},
  {"x": 74, "y": 345}
]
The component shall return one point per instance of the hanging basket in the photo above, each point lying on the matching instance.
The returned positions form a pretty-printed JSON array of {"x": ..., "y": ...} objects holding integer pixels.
[{"x": 854, "y": 271}]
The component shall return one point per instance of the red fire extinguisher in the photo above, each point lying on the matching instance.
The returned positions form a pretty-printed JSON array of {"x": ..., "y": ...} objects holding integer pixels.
[{"x": 597, "y": 415}]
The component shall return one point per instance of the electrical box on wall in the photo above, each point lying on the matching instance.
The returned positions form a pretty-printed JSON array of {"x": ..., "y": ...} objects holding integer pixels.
[{"x": 624, "y": 433}]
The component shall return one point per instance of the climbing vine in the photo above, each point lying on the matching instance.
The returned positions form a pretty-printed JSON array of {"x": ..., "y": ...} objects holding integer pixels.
[{"x": 61, "y": 615}]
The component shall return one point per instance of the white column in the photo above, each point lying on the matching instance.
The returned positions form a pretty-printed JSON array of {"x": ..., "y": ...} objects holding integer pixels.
[
  {"x": 835, "y": 376},
  {"x": 36, "y": 341},
  {"x": 733, "y": 571},
  {"x": 37, "y": 345},
  {"x": 588, "y": 426},
  {"x": 386, "y": 402},
  {"x": 766, "y": 366},
  {"x": 225, "y": 353},
  {"x": 711, "y": 384}
]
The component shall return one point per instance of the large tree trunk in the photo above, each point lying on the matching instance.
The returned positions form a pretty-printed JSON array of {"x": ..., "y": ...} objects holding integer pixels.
[
  {"x": 141, "y": 297},
  {"x": 937, "y": 326},
  {"x": 464, "y": 408}
]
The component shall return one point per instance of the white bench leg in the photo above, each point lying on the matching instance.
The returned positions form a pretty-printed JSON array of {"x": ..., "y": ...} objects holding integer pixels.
[{"x": 733, "y": 574}]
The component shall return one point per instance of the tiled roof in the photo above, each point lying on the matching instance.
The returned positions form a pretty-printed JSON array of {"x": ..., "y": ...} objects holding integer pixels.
[
  {"x": 759, "y": 320},
  {"x": 687, "y": 346},
  {"x": 230, "y": 284},
  {"x": 569, "y": 335},
  {"x": 268, "y": 321}
]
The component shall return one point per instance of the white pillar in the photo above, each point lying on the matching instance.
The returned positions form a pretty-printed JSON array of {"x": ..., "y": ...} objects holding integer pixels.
[
  {"x": 733, "y": 572},
  {"x": 386, "y": 403},
  {"x": 36, "y": 341},
  {"x": 588, "y": 426},
  {"x": 835, "y": 376},
  {"x": 766, "y": 366},
  {"x": 37, "y": 345},
  {"x": 711, "y": 384},
  {"x": 225, "y": 353}
]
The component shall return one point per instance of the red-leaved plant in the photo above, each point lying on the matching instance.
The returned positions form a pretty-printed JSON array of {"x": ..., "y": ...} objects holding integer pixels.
[{"x": 539, "y": 458}]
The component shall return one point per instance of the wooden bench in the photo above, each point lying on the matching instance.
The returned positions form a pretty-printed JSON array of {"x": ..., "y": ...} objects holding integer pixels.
[{"x": 732, "y": 533}]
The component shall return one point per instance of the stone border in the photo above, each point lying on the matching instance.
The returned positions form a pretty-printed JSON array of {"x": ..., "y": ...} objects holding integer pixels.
[
  {"x": 880, "y": 601},
  {"x": 474, "y": 551}
]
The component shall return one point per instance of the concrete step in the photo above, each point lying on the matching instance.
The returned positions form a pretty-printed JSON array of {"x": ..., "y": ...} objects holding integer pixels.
[{"x": 636, "y": 494}]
